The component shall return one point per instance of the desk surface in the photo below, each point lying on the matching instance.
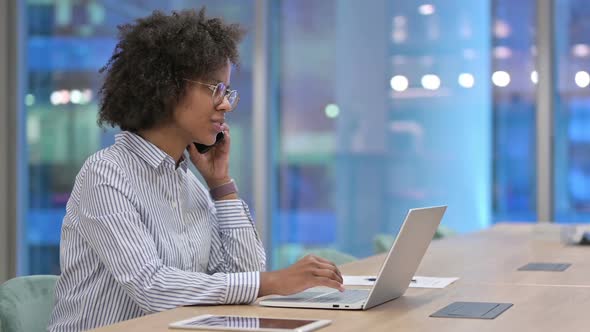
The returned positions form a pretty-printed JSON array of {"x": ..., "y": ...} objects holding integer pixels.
[
  {"x": 494, "y": 256},
  {"x": 486, "y": 262},
  {"x": 536, "y": 308}
]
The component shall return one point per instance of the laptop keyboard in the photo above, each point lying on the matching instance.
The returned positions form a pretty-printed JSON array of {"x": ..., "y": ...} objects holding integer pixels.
[{"x": 348, "y": 296}]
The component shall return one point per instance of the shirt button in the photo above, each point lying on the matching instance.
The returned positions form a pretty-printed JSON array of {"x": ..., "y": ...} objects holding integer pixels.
[{"x": 174, "y": 205}]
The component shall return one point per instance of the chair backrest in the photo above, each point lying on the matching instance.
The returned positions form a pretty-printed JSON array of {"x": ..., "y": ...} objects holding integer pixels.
[{"x": 26, "y": 303}]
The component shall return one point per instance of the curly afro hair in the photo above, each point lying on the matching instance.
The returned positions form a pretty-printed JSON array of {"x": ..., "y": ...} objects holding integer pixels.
[{"x": 145, "y": 76}]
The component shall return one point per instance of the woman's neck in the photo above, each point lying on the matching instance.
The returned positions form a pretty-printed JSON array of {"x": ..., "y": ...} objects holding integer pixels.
[{"x": 167, "y": 139}]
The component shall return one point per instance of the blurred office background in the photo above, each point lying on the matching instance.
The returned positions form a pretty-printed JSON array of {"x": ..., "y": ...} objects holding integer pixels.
[{"x": 371, "y": 107}]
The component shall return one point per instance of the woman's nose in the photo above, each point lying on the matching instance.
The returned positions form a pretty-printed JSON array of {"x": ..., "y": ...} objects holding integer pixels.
[{"x": 224, "y": 106}]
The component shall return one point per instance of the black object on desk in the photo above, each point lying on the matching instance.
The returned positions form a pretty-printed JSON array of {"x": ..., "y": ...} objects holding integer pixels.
[
  {"x": 481, "y": 310},
  {"x": 552, "y": 267}
]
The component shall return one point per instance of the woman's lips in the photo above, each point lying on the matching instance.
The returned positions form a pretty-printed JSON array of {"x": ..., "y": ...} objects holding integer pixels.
[{"x": 218, "y": 126}]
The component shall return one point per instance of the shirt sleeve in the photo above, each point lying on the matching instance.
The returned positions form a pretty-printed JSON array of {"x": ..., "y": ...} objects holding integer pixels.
[
  {"x": 110, "y": 223},
  {"x": 236, "y": 246}
]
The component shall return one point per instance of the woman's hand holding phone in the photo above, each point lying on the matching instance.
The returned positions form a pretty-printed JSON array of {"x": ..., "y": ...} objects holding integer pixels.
[{"x": 214, "y": 164}]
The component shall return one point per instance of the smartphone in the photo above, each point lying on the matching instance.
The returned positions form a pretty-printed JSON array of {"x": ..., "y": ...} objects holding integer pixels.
[{"x": 202, "y": 148}]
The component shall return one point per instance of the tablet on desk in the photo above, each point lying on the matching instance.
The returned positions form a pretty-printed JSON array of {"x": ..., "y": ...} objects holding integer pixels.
[{"x": 249, "y": 323}]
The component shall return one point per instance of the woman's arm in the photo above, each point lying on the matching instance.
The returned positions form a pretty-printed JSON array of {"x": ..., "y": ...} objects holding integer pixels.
[
  {"x": 109, "y": 222},
  {"x": 236, "y": 246}
]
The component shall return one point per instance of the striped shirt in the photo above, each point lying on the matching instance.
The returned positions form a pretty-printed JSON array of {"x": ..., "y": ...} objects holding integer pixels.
[{"x": 141, "y": 235}]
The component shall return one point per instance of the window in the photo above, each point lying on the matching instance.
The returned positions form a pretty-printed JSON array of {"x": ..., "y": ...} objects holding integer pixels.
[
  {"x": 67, "y": 43},
  {"x": 514, "y": 81},
  {"x": 375, "y": 104},
  {"x": 572, "y": 111},
  {"x": 381, "y": 108}
]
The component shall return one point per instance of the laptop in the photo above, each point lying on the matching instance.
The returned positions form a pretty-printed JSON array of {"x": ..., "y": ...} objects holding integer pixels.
[{"x": 394, "y": 277}]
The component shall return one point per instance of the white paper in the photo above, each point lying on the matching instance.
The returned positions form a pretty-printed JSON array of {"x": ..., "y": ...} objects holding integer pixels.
[
  {"x": 431, "y": 282},
  {"x": 417, "y": 281},
  {"x": 359, "y": 280}
]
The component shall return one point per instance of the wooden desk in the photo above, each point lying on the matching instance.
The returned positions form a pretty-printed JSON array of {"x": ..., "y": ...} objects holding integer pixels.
[
  {"x": 494, "y": 256},
  {"x": 486, "y": 263},
  {"x": 536, "y": 308}
]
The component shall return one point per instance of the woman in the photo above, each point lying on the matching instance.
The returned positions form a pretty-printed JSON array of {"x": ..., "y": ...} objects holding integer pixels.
[{"x": 141, "y": 233}]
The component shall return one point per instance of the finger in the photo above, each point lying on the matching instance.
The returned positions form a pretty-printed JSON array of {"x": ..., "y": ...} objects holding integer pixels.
[
  {"x": 226, "y": 133},
  {"x": 326, "y": 282},
  {"x": 325, "y": 261},
  {"x": 328, "y": 273},
  {"x": 331, "y": 268},
  {"x": 196, "y": 157},
  {"x": 223, "y": 145}
]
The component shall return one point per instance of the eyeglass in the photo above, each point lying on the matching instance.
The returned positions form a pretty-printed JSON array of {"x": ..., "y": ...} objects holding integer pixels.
[{"x": 220, "y": 91}]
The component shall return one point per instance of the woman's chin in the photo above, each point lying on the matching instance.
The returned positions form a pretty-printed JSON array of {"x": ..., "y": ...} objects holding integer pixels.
[
  {"x": 206, "y": 140},
  {"x": 209, "y": 140}
]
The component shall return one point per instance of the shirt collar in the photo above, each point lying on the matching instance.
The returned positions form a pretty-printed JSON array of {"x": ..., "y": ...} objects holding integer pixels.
[{"x": 147, "y": 151}]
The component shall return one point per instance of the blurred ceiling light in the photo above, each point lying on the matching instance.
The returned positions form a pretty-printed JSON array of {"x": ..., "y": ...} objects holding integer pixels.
[
  {"x": 430, "y": 82},
  {"x": 399, "y": 36},
  {"x": 86, "y": 96},
  {"x": 501, "y": 78},
  {"x": 399, "y": 83},
  {"x": 29, "y": 99},
  {"x": 65, "y": 96},
  {"x": 534, "y": 77},
  {"x": 501, "y": 29},
  {"x": 399, "y": 32},
  {"x": 76, "y": 96},
  {"x": 581, "y": 50},
  {"x": 96, "y": 12},
  {"x": 502, "y": 52},
  {"x": 466, "y": 80},
  {"x": 426, "y": 9},
  {"x": 582, "y": 79},
  {"x": 33, "y": 124},
  {"x": 55, "y": 98},
  {"x": 332, "y": 111}
]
